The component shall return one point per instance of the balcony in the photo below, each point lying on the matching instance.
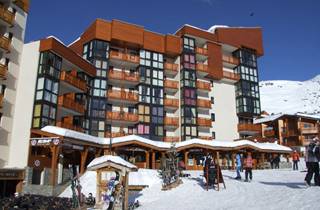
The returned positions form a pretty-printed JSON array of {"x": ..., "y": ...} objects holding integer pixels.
[
  {"x": 269, "y": 133},
  {"x": 202, "y": 51},
  {"x": 73, "y": 80},
  {"x": 249, "y": 129},
  {"x": 231, "y": 76},
  {"x": 70, "y": 104},
  {"x": 122, "y": 97},
  {"x": 172, "y": 122},
  {"x": 203, "y": 86},
  {"x": 122, "y": 117},
  {"x": 291, "y": 132},
  {"x": 171, "y": 85},
  {"x": 171, "y": 139},
  {"x": 123, "y": 59},
  {"x": 202, "y": 69},
  {"x": 203, "y": 104},
  {"x": 171, "y": 68},
  {"x": 23, "y": 4},
  {"x": 114, "y": 134},
  {"x": 309, "y": 130},
  {"x": 1, "y": 100},
  {"x": 203, "y": 122},
  {"x": 170, "y": 103},
  {"x": 69, "y": 126},
  {"x": 208, "y": 138},
  {"x": 5, "y": 43},
  {"x": 122, "y": 77},
  {"x": 3, "y": 71},
  {"x": 6, "y": 15},
  {"x": 230, "y": 61}
]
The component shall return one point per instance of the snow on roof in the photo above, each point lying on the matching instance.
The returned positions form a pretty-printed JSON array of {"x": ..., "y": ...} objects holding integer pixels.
[
  {"x": 213, "y": 28},
  {"x": 77, "y": 39},
  {"x": 276, "y": 116},
  {"x": 106, "y": 160},
  {"x": 48, "y": 37},
  {"x": 163, "y": 145}
]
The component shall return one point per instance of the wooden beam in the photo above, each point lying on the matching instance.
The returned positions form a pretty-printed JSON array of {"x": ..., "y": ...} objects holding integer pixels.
[
  {"x": 153, "y": 163},
  {"x": 98, "y": 152},
  {"x": 54, "y": 159},
  {"x": 84, "y": 155},
  {"x": 147, "y": 159},
  {"x": 233, "y": 156},
  {"x": 126, "y": 191},
  {"x": 186, "y": 158}
]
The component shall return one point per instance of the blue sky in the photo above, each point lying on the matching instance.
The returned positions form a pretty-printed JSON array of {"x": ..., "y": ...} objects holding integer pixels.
[{"x": 291, "y": 28}]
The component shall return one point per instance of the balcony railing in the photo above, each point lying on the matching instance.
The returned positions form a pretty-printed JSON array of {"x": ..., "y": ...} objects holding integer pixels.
[
  {"x": 309, "y": 130},
  {"x": 122, "y": 116},
  {"x": 23, "y": 4},
  {"x": 243, "y": 127},
  {"x": 209, "y": 138},
  {"x": 287, "y": 133},
  {"x": 125, "y": 57},
  {"x": 114, "y": 134},
  {"x": 202, "y": 51},
  {"x": 69, "y": 126},
  {"x": 171, "y": 102},
  {"x": 4, "y": 43},
  {"x": 269, "y": 133},
  {"x": 122, "y": 75},
  {"x": 202, "y": 67},
  {"x": 123, "y": 95},
  {"x": 71, "y": 104},
  {"x": 6, "y": 15},
  {"x": 231, "y": 75},
  {"x": 204, "y": 122},
  {"x": 204, "y": 103},
  {"x": 1, "y": 100},
  {"x": 171, "y": 139},
  {"x": 230, "y": 59},
  {"x": 171, "y": 121},
  {"x": 73, "y": 80},
  {"x": 171, "y": 67},
  {"x": 171, "y": 84},
  {"x": 203, "y": 85},
  {"x": 3, "y": 71}
]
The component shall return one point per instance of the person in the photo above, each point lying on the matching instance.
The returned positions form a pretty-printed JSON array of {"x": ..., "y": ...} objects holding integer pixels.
[
  {"x": 90, "y": 200},
  {"x": 295, "y": 159},
  {"x": 313, "y": 162},
  {"x": 276, "y": 162},
  {"x": 248, "y": 163},
  {"x": 238, "y": 166}
]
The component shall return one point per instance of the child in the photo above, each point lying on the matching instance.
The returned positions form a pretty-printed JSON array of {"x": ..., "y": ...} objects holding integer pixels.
[{"x": 248, "y": 167}]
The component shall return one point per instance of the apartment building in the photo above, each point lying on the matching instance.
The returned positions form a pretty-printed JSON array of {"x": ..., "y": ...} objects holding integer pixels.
[
  {"x": 292, "y": 130},
  {"x": 13, "y": 16}
]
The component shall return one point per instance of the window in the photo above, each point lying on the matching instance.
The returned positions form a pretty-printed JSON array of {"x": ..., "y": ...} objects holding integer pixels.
[
  {"x": 144, "y": 113},
  {"x": 50, "y": 64},
  {"x": 144, "y": 94},
  {"x": 95, "y": 49},
  {"x": 145, "y": 75},
  {"x": 98, "y": 107},
  {"x": 189, "y": 115},
  {"x": 99, "y": 88},
  {"x": 212, "y": 100},
  {"x": 213, "y": 117},
  {"x": 247, "y": 57},
  {"x": 189, "y": 97},
  {"x": 2, "y": 89},
  {"x": 189, "y": 61},
  {"x": 188, "y": 44},
  {"x": 213, "y": 135},
  {"x": 190, "y": 132},
  {"x": 247, "y": 73},
  {"x": 189, "y": 78},
  {"x": 157, "y": 115},
  {"x": 151, "y": 59},
  {"x": 157, "y": 77},
  {"x": 143, "y": 129},
  {"x": 145, "y": 58},
  {"x": 157, "y": 95}
]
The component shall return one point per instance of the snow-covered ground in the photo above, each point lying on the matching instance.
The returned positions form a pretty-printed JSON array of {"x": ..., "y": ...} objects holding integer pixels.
[{"x": 290, "y": 96}]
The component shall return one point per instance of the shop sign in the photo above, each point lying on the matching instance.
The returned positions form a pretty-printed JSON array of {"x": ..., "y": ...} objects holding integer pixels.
[{"x": 44, "y": 141}]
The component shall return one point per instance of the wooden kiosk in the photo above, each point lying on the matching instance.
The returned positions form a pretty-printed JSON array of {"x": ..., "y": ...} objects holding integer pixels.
[{"x": 107, "y": 166}]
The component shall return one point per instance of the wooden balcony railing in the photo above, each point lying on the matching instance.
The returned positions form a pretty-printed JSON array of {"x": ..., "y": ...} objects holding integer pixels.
[
  {"x": 71, "y": 104},
  {"x": 69, "y": 126},
  {"x": 209, "y": 138},
  {"x": 1, "y": 100},
  {"x": 230, "y": 59},
  {"x": 202, "y": 67},
  {"x": 123, "y": 95},
  {"x": 122, "y": 75},
  {"x": 231, "y": 75},
  {"x": 171, "y": 102},
  {"x": 171, "y": 84},
  {"x": 203, "y": 85},
  {"x": 171, "y": 121},
  {"x": 202, "y": 51},
  {"x": 3, "y": 71},
  {"x": 114, "y": 134},
  {"x": 204, "y": 122},
  {"x": 171, "y": 66},
  {"x": 204, "y": 103},
  {"x": 6, "y": 15},
  {"x": 124, "y": 56},
  {"x": 269, "y": 133},
  {"x": 5, "y": 43},
  {"x": 73, "y": 80},
  {"x": 289, "y": 133},
  {"x": 309, "y": 130},
  {"x": 171, "y": 139},
  {"x": 23, "y": 4},
  {"x": 249, "y": 127},
  {"x": 123, "y": 116}
]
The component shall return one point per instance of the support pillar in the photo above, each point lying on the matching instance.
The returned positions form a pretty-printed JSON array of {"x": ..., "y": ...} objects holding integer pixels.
[
  {"x": 186, "y": 158},
  {"x": 218, "y": 158},
  {"x": 233, "y": 156},
  {"x": 84, "y": 155},
  {"x": 126, "y": 193},
  {"x": 153, "y": 163},
  {"x": 54, "y": 159},
  {"x": 60, "y": 169},
  {"x": 147, "y": 159}
]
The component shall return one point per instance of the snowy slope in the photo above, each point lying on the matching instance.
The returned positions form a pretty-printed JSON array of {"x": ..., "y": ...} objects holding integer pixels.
[{"x": 291, "y": 96}]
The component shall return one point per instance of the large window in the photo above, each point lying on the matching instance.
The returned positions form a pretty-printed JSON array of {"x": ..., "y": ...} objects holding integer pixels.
[
  {"x": 189, "y": 115},
  {"x": 95, "y": 49},
  {"x": 47, "y": 90},
  {"x": 144, "y": 94},
  {"x": 189, "y": 97},
  {"x": 50, "y": 64},
  {"x": 157, "y": 77},
  {"x": 248, "y": 105},
  {"x": 145, "y": 75},
  {"x": 245, "y": 88},
  {"x": 143, "y": 129},
  {"x": 144, "y": 113},
  {"x": 189, "y": 61},
  {"x": 188, "y": 44},
  {"x": 157, "y": 96},
  {"x": 157, "y": 115},
  {"x": 151, "y": 59},
  {"x": 98, "y": 108},
  {"x": 247, "y": 57},
  {"x": 247, "y": 73},
  {"x": 43, "y": 115},
  {"x": 99, "y": 88},
  {"x": 189, "y": 78}
]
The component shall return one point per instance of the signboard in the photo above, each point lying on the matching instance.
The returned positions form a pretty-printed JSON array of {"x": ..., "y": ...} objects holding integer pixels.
[
  {"x": 46, "y": 141},
  {"x": 11, "y": 174}
]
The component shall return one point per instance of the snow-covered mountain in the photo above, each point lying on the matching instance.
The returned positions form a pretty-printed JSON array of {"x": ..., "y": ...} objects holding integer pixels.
[{"x": 291, "y": 96}]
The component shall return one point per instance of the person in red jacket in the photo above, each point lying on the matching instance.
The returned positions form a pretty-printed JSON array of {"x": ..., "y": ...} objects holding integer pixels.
[
  {"x": 248, "y": 163},
  {"x": 295, "y": 159}
]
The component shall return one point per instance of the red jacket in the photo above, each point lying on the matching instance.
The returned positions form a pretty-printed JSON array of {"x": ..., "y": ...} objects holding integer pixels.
[
  {"x": 295, "y": 156},
  {"x": 248, "y": 162}
]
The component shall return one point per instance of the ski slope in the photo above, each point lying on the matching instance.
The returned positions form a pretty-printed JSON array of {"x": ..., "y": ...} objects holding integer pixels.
[{"x": 290, "y": 96}]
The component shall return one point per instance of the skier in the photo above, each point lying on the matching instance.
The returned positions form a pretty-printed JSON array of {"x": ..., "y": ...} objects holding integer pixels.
[
  {"x": 238, "y": 166},
  {"x": 313, "y": 162},
  {"x": 248, "y": 167},
  {"x": 295, "y": 159}
]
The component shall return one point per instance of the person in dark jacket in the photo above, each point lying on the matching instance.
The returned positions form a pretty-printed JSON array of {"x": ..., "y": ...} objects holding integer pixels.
[
  {"x": 276, "y": 162},
  {"x": 313, "y": 162}
]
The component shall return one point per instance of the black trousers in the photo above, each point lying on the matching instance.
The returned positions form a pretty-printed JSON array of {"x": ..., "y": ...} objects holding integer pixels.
[
  {"x": 248, "y": 172},
  {"x": 313, "y": 168},
  {"x": 295, "y": 165}
]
